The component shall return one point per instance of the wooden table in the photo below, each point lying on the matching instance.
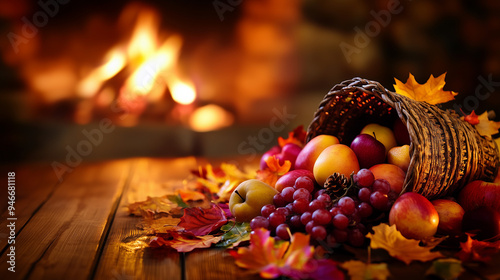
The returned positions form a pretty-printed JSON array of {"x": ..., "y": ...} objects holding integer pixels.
[{"x": 78, "y": 228}]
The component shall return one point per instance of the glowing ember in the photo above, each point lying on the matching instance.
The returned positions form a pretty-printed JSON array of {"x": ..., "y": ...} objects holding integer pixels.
[{"x": 210, "y": 117}]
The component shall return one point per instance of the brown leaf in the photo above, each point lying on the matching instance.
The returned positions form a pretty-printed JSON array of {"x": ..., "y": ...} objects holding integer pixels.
[
  {"x": 430, "y": 92},
  {"x": 183, "y": 241},
  {"x": 155, "y": 204},
  {"x": 407, "y": 250},
  {"x": 159, "y": 223}
]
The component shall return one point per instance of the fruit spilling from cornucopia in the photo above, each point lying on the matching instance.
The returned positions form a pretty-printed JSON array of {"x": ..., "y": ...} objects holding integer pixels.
[{"x": 375, "y": 169}]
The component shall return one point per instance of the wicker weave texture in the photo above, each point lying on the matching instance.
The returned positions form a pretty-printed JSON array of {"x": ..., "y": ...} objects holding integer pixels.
[{"x": 445, "y": 152}]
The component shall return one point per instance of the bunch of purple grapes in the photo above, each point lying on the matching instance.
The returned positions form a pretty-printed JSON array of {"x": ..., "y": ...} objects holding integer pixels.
[{"x": 306, "y": 207}]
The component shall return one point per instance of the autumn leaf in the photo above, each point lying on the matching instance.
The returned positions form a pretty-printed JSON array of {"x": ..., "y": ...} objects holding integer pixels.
[
  {"x": 430, "y": 92},
  {"x": 270, "y": 259},
  {"x": 275, "y": 170},
  {"x": 190, "y": 195},
  {"x": 183, "y": 241},
  {"x": 234, "y": 234},
  {"x": 203, "y": 221},
  {"x": 297, "y": 137},
  {"x": 485, "y": 127},
  {"x": 223, "y": 180},
  {"x": 472, "y": 118},
  {"x": 359, "y": 270},
  {"x": 476, "y": 250},
  {"x": 155, "y": 204},
  {"x": 407, "y": 250},
  {"x": 159, "y": 223},
  {"x": 447, "y": 269}
]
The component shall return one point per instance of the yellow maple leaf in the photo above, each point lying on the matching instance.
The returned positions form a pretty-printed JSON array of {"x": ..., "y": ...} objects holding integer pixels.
[
  {"x": 485, "y": 127},
  {"x": 431, "y": 92},
  {"x": 407, "y": 250},
  {"x": 359, "y": 270}
]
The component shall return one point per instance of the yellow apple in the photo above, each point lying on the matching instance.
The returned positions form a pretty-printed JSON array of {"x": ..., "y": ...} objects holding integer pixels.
[
  {"x": 248, "y": 198},
  {"x": 399, "y": 156},
  {"x": 381, "y": 133},
  {"x": 392, "y": 173},
  {"x": 336, "y": 158},
  {"x": 307, "y": 157}
]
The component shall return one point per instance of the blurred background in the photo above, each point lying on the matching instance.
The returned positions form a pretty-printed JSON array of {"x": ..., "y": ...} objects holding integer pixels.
[{"x": 112, "y": 79}]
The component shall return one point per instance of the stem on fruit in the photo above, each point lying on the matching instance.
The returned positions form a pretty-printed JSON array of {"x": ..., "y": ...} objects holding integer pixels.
[
  {"x": 239, "y": 195},
  {"x": 374, "y": 136}
]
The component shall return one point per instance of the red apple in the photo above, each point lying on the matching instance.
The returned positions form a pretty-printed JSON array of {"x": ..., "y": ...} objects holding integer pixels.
[
  {"x": 289, "y": 152},
  {"x": 368, "y": 150},
  {"x": 288, "y": 180},
  {"x": 450, "y": 216},
  {"x": 483, "y": 221},
  {"x": 479, "y": 193},
  {"x": 414, "y": 216}
]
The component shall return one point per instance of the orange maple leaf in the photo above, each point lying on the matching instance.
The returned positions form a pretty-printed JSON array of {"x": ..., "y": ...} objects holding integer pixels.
[
  {"x": 475, "y": 250},
  {"x": 431, "y": 92},
  {"x": 297, "y": 137},
  {"x": 407, "y": 250},
  {"x": 275, "y": 170},
  {"x": 485, "y": 127},
  {"x": 272, "y": 260}
]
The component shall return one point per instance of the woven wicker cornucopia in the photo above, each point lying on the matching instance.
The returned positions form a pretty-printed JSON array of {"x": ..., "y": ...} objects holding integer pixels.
[{"x": 446, "y": 152}]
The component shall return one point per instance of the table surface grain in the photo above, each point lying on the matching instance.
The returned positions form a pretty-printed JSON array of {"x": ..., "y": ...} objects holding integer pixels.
[{"x": 79, "y": 227}]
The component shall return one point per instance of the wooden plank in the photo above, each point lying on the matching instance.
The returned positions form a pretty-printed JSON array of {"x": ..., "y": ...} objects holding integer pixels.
[
  {"x": 151, "y": 177},
  {"x": 61, "y": 239},
  {"x": 34, "y": 184},
  {"x": 214, "y": 264}
]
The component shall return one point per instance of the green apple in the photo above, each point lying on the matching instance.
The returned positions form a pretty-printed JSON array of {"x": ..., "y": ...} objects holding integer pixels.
[
  {"x": 248, "y": 198},
  {"x": 381, "y": 133}
]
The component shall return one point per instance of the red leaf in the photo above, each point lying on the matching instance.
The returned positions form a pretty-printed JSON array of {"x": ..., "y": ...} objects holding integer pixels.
[
  {"x": 475, "y": 250},
  {"x": 203, "y": 221},
  {"x": 183, "y": 241},
  {"x": 472, "y": 118}
]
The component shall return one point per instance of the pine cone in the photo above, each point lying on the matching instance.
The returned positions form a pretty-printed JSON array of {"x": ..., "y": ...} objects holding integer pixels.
[{"x": 336, "y": 185}]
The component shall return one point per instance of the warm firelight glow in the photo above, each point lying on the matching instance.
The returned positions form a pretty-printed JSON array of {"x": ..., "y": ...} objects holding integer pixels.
[
  {"x": 182, "y": 92},
  {"x": 210, "y": 117},
  {"x": 149, "y": 59},
  {"x": 93, "y": 82}
]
